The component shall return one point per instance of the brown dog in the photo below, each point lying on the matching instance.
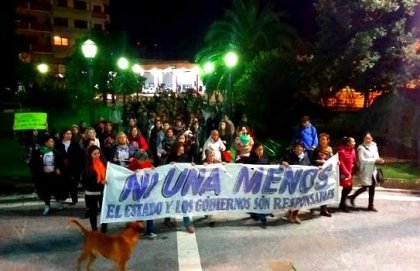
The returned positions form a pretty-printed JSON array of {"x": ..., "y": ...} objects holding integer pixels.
[{"x": 116, "y": 247}]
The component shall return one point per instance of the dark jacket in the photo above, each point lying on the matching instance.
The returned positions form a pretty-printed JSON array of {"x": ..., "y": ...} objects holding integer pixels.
[{"x": 90, "y": 183}]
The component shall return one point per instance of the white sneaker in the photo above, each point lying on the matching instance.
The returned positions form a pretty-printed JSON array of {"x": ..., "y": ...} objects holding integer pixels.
[
  {"x": 60, "y": 205},
  {"x": 151, "y": 235},
  {"x": 46, "y": 210}
]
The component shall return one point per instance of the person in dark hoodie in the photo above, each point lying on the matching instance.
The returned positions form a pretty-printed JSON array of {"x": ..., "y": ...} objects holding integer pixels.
[
  {"x": 297, "y": 156},
  {"x": 45, "y": 166}
]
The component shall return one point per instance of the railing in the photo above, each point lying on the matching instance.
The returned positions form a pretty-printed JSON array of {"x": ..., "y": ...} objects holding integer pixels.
[
  {"x": 41, "y": 48},
  {"x": 99, "y": 14},
  {"x": 40, "y": 27}
]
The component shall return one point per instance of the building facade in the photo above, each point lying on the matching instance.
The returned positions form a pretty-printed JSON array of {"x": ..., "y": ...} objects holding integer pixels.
[{"x": 49, "y": 29}]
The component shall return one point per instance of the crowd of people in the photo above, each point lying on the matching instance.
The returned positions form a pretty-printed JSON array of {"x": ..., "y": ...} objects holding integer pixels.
[{"x": 151, "y": 138}]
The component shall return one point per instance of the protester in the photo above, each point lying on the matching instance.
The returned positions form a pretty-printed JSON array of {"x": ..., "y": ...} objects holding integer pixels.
[
  {"x": 307, "y": 134},
  {"x": 215, "y": 143},
  {"x": 178, "y": 155},
  {"x": 45, "y": 165},
  {"x": 320, "y": 155},
  {"x": 368, "y": 157},
  {"x": 141, "y": 161},
  {"x": 297, "y": 156},
  {"x": 347, "y": 158},
  {"x": 257, "y": 157},
  {"x": 93, "y": 180},
  {"x": 71, "y": 159}
]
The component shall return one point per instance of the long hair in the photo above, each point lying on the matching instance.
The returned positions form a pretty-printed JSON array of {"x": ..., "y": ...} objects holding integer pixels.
[{"x": 89, "y": 160}]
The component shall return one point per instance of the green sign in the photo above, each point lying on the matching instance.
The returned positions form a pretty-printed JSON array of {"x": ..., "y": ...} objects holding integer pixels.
[{"x": 30, "y": 121}]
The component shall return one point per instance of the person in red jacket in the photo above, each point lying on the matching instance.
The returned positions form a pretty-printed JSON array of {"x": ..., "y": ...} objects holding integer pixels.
[
  {"x": 347, "y": 157},
  {"x": 137, "y": 140}
]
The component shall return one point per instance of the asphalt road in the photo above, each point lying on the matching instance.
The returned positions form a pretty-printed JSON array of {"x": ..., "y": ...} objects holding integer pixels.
[{"x": 360, "y": 240}]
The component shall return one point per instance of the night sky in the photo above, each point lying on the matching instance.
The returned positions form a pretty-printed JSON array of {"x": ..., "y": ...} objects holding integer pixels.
[{"x": 176, "y": 29}]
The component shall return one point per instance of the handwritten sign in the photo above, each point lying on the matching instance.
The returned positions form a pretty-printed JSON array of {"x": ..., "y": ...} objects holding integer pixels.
[{"x": 29, "y": 121}]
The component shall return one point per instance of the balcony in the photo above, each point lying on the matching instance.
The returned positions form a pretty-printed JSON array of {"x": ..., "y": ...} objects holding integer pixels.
[
  {"x": 22, "y": 25},
  {"x": 99, "y": 14},
  {"x": 40, "y": 6},
  {"x": 40, "y": 27},
  {"x": 41, "y": 48},
  {"x": 35, "y": 6}
]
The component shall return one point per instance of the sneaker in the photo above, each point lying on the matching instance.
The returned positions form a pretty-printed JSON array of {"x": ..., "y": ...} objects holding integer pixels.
[
  {"x": 151, "y": 235},
  {"x": 60, "y": 205},
  {"x": 46, "y": 210},
  {"x": 372, "y": 209},
  {"x": 296, "y": 220},
  {"x": 190, "y": 229}
]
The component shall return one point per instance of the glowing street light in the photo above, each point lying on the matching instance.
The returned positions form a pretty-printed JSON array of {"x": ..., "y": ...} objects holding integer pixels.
[
  {"x": 42, "y": 68},
  {"x": 137, "y": 69},
  {"x": 89, "y": 50},
  {"x": 231, "y": 60},
  {"x": 208, "y": 67}
]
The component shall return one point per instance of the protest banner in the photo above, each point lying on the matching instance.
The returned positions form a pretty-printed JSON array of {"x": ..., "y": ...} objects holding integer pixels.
[
  {"x": 183, "y": 189},
  {"x": 30, "y": 121}
]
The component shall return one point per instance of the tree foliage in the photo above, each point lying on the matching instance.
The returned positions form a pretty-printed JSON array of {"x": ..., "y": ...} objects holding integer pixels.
[
  {"x": 104, "y": 69},
  {"x": 363, "y": 44},
  {"x": 248, "y": 29}
]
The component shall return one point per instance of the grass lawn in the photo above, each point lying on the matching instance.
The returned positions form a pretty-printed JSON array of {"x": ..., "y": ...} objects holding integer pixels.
[
  {"x": 401, "y": 171},
  {"x": 14, "y": 172}
]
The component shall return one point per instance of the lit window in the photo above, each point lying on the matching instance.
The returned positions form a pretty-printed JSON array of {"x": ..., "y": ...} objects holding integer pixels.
[{"x": 59, "y": 41}]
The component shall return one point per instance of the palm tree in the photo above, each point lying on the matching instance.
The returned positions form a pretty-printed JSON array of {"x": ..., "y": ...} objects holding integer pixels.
[{"x": 249, "y": 29}]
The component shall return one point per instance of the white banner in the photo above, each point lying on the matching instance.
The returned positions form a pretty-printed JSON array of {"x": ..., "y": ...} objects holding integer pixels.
[{"x": 183, "y": 189}]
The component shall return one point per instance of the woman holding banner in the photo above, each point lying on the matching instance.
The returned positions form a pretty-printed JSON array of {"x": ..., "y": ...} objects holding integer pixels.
[
  {"x": 297, "y": 156},
  {"x": 93, "y": 180},
  {"x": 178, "y": 155},
  {"x": 320, "y": 155}
]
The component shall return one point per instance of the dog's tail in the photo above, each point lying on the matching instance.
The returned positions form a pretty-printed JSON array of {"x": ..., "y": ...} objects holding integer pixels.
[{"x": 83, "y": 229}]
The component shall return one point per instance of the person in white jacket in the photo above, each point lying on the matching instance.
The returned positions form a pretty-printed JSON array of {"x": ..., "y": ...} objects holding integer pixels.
[
  {"x": 368, "y": 157},
  {"x": 214, "y": 143}
]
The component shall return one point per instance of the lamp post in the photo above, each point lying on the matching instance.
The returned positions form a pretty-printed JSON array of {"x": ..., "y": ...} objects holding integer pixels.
[
  {"x": 89, "y": 50},
  {"x": 43, "y": 70},
  {"x": 123, "y": 65},
  {"x": 208, "y": 68},
  {"x": 138, "y": 70},
  {"x": 231, "y": 59}
]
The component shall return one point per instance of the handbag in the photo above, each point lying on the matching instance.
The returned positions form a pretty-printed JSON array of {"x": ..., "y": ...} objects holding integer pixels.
[{"x": 380, "y": 178}]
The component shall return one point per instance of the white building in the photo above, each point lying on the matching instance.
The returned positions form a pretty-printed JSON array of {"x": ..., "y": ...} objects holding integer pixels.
[{"x": 173, "y": 75}]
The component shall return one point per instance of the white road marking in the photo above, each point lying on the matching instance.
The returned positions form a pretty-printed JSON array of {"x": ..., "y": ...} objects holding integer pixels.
[{"x": 188, "y": 255}]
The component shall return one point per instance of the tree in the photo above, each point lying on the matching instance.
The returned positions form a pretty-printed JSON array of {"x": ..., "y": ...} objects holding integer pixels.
[
  {"x": 104, "y": 67},
  {"x": 363, "y": 44},
  {"x": 248, "y": 29}
]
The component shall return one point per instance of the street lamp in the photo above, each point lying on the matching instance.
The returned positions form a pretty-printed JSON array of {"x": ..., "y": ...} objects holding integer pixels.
[
  {"x": 138, "y": 70},
  {"x": 89, "y": 50},
  {"x": 231, "y": 59},
  {"x": 42, "y": 68},
  {"x": 123, "y": 65}
]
